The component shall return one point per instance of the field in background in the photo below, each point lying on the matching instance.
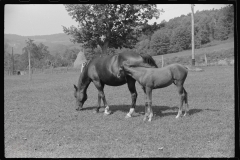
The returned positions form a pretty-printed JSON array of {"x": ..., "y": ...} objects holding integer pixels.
[
  {"x": 40, "y": 119},
  {"x": 217, "y": 51}
]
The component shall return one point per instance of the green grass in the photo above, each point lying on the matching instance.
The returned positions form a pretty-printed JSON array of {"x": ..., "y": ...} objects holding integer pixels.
[{"x": 40, "y": 119}]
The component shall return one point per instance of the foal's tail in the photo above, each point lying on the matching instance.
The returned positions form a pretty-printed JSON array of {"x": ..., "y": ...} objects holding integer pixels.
[{"x": 149, "y": 60}]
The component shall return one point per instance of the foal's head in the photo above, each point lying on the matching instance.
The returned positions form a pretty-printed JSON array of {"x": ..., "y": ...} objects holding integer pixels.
[{"x": 122, "y": 68}]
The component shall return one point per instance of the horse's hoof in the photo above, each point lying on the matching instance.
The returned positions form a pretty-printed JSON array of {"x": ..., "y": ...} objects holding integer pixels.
[
  {"x": 95, "y": 111},
  {"x": 79, "y": 109},
  {"x": 107, "y": 113},
  {"x": 128, "y": 116},
  {"x": 150, "y": 119},
  {"x": 177, "y": 116}
]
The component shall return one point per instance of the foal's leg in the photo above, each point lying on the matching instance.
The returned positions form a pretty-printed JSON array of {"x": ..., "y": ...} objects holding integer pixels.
[
  {"x": 151, "y": 112},
  {"x": 186, "y": 102},
  {"x": 101, "y": 94},
  {"x": 149, "y": 101},
  {"x": 132, "y": 89},
  {"x": 146, "y": 111},
  {"x": 182, "y": 97},
  {"x": 146, "y": 105}
]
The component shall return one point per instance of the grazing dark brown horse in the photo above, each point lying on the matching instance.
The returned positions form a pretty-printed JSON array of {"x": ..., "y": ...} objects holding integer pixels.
[
  {"x": 153, "y": 78},
  {"x": 103, "y": 70}
]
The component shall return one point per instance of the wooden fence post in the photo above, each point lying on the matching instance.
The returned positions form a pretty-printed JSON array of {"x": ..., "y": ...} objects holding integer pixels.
[
  {"x": 162, "y": 61},
  {"x": 206, "y": 63}
]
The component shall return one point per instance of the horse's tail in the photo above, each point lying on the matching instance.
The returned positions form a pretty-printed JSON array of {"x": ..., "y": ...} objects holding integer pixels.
[{"x": 149, "y": 60}]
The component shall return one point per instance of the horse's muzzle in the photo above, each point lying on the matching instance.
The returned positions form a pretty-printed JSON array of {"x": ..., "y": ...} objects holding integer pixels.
[
  {"x": 118, "y": 75},
  {"x": 79, "y": 106}
]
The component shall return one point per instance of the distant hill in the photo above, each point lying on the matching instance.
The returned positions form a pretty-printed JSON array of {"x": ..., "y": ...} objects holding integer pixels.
[{"x": 57, "y": 43}]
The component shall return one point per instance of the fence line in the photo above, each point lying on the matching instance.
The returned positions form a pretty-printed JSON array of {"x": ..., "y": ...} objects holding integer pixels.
[{"x": 47, "y": 70}]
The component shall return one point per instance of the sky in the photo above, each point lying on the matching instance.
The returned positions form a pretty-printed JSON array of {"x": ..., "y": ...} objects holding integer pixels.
[{"x": 46, "y": 19}]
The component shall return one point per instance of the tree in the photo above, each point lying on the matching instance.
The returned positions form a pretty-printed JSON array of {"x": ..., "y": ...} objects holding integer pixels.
[
  {"x": 7, "y": 57},
  {"x": 143, "y": 46},
  {"x": 148, "y": 29},
  {"x": 180, "y": 39},
  {"x": 160, "y": 42},
  {"x": 109, "y": 25},
  {"x": 39, "y": 53},
  {"x": 223, "y": 23},
  {"x": 70, "y": 55},
  {"x": 230, "y": 18}
]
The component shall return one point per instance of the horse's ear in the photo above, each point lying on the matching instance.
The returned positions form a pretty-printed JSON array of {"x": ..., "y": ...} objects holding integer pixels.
[{"x": 75, "y": 87}]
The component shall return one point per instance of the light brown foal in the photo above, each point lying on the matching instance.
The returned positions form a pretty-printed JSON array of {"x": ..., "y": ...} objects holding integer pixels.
[{"x": 153, "y": 78}]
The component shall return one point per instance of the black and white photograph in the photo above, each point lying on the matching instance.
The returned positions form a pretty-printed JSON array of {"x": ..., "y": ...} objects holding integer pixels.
[{"x": 119, "y": 80}]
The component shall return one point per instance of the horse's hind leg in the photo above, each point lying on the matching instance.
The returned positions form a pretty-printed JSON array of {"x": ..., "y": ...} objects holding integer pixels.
[
  {"x": 182, "y": 97},
  {"x": 99, "y": 103},
  {"x": 186, "y": 102}
]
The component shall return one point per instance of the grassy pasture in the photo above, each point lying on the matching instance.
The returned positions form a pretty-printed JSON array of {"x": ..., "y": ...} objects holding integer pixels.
[
  {"x": 224, "y": 50},
  {"x": 40, "y": 119}
]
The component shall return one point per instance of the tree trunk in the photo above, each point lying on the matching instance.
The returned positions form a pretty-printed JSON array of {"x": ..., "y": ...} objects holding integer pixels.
[{"x": 105, "y": 47}]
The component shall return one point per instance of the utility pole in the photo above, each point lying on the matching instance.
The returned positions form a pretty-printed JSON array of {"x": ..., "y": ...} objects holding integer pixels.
[
  {"x": 193, "y": 46},
  {"x": 12, "y": 62}
]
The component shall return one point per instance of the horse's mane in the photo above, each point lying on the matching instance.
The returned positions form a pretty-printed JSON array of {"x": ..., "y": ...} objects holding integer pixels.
[
  {"x": 83, "y": 74},
  {"x": 149, "y": 60}
]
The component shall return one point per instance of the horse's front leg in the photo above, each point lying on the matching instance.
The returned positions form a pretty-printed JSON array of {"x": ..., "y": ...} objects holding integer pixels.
[
  {"x": 101, "y": 95},
  {"x": 132, "y": 89}
]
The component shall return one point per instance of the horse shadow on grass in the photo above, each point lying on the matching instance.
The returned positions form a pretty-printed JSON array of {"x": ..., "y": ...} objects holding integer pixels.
[{"x": 159, "y": 111}]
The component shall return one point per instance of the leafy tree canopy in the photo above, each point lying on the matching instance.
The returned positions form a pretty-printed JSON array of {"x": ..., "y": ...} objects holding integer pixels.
[{"x": 109, "y": 25}]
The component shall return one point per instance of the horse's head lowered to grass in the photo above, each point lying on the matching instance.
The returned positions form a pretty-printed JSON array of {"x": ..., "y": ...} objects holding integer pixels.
[
  {"x": 83, "y": 83},
  {"x": 81, "y": 97}
]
